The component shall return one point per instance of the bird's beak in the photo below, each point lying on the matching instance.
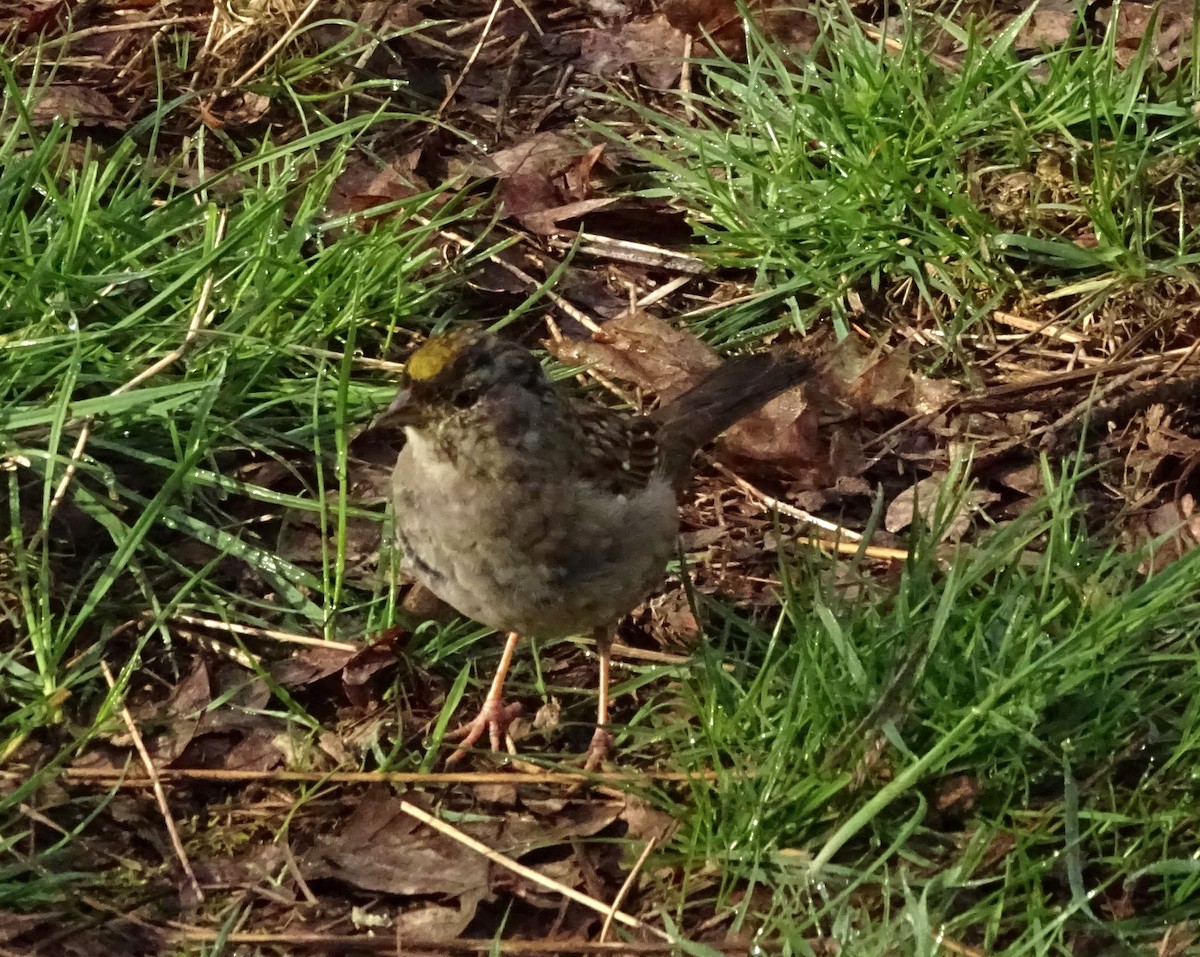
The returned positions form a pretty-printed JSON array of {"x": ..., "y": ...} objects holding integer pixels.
[{"x": 403, "y": 411}]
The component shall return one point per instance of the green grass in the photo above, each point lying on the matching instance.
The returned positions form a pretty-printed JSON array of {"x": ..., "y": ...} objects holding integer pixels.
[
  {"x": 1064, "y": 687},
  {"x": 110, "y": 266},
  {"x": 855, "y": 167}
]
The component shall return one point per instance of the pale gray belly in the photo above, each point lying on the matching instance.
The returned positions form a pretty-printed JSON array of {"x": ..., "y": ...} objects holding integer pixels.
[{"x": 549, "y": 561}]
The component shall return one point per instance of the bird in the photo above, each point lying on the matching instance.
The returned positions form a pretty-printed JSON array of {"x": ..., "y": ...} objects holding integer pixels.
[{"x": 539, "y": 513}]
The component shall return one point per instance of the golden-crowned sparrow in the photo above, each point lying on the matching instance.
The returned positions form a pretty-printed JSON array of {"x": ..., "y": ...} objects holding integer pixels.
[{"x": 537, "y": 513}]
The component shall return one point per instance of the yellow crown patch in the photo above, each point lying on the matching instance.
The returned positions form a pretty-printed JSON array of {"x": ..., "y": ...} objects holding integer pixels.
[{"x": 441, "y": 349}]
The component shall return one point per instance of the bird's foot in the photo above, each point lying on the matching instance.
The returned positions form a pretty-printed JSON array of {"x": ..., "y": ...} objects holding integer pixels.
[
  {"x": 598, "y": 750},
  {"x": 494, "y": 717}
]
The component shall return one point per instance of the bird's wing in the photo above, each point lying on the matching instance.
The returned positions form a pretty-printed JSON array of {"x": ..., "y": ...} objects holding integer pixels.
[{"x": 616, "y": 451}]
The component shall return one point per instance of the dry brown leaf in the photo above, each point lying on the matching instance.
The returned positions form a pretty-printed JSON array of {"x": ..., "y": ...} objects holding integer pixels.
[
  {"x": 382, "y": 849},
  {"x": 545, "y": 222},
  {"x": 640, "y": 349},
  {"x": 363, "y": 185},
  {"x": 309, "y": 665},
  {"x": 1177, "y": 940},
  {"x": 389, "y": 14},
  {"x": 249, "y": 865},
  {"x": 544, "y": 180},
  {"x": 434, "y": 922},
  {"x": 671, "y": 621},
  {"x": 523, "y": 833},
  {"x": 785, "y": 431},
  {"x": 1173, "y": 527},
  {"x": 359, "y": 673},
  {"x": 720, "y": 22},
  {"x": 168, "y": 728},
  {"x": 1024, "y": 477},
  {"x": 643, "y": 821},
  {"x": 1173, "y": 28},
  {"x": 1046, "y": 28},
  {"x": 76, "y": 105},
  {"x": 922, "y": 500},
  {"x": 653, "y": 47},
  {"x": 882, "y": 381},
  {"x": 30, "y": 18},
  {"x": 957, "y": 794},
  {"x": 578, "y": 175}
]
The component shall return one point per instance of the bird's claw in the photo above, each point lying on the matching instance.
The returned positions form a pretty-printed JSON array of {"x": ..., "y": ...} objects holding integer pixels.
[
  {"x": 598, "y": 750},
  {"x": 494, "y": 717}
]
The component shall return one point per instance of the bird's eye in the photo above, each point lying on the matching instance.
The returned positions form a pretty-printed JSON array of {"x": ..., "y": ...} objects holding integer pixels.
[{"x": 465, "y": 398}]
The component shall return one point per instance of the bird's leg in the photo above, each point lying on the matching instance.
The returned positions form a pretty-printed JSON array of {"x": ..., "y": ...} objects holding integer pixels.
[
  {"x": 495, "y": 716},
  {"x": 601, "y": 739}
]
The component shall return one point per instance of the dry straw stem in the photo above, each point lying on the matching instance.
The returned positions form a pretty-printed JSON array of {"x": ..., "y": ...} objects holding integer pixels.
[
  {"x": 159, "y": 795},
  {"x": 377, "y": 943},
  {"x": 609, "y": 912},
  {"x": 109, "y": 777}
]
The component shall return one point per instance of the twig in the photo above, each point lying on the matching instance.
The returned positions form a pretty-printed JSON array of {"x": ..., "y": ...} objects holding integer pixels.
[
  {"x": 577, "y": 314},
  {"x": 159, "y": 794},
  {"x": 217, "y": 647},
  {"x": 895, "y": 46},
  {"x": 1049, "y": 328},
  {"x": 620, "y": 898},
  {"x": 119, "y": 28},
  {"x": 878, "y": 552},
  {"x": 289, "y": 860},
  {"x": 956, "y": 946},
  {"x": 641, "y": 254},
  {"x": 520, "y": 4},
  {"x": 342, "y": 943},
  {"x": 199, "y": 315},
  {"x": 288, "y": 35},
  {"x": 462, "y": 75},
  {"x": 530, "y": 874},
  {"x": 622, "y": 650},
  {"x": 284, "y": 636},
  {"x": 784, "y": 508},
  {"x": 663, "y": 291},
  {"x": 116, "y": 778}
]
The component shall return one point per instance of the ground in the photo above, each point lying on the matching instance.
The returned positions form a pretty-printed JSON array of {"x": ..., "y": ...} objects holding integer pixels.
[{"x": 924, "y": 677}]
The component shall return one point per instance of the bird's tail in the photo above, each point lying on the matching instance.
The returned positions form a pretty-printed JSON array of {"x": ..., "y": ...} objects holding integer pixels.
[{"x": 733, "y": 390}]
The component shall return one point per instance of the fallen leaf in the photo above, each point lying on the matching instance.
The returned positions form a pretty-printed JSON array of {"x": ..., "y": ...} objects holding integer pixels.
[
  {"x": 640, "y": 349},
  {"x": 1046, "y": 29},
  {"x": 359, "y": 671},
  {"x": 654, "y": 47},
  {"x": 309, "y": 665},
  {"x": 1170, "y": 41},
  {"x": 168, "y": 727},
  {"x": 671, "y": 621},
  {"x": 382, "y": 849},
  {"x": 719, "y": 22},
  {"x": 364, "y": 185},
  {"x": 958, "y": 794},
  {"x": 644, "y": 821},
  {"x": 1172, "y": 529},
  {"x": 544, "y": 179},
  {"x": 923, "y": 500},
  {"x": 75, "y": 105},
  {"x": 434, "y": 922},
  {"x": 785, "y": 431},
  {"x": 545, "y": 222},
  {"x": 33, "y": 18}
]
